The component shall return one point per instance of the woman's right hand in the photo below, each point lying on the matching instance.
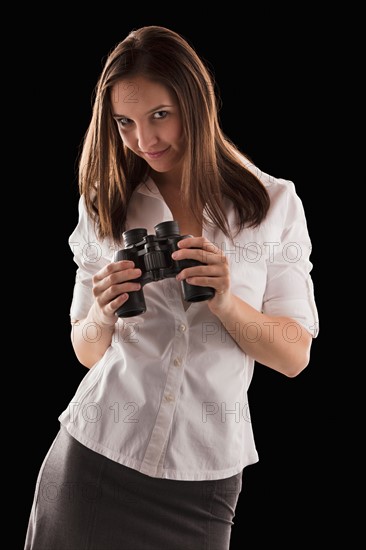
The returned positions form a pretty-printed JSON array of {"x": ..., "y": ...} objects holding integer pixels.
[{"x": 110, "y": 287}]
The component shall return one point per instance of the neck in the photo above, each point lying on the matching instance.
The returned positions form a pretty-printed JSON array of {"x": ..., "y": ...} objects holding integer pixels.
[{"x": 164, "y": 180}]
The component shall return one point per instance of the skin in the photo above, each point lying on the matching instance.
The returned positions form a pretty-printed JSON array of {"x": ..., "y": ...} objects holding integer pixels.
[{"x": 151, "y": 127}]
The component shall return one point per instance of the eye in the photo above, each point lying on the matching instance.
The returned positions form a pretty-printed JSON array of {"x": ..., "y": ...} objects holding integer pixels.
[
  {"x": 160, "y": 114},
  {"x": 123, "y": 121}
]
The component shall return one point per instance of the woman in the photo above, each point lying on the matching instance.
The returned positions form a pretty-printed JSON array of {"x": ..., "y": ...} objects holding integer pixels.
[{"x": 152, "y": 447}]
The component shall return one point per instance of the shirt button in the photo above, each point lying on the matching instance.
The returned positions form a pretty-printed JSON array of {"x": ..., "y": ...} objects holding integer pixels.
[
  {"x": 177, "y": 362},
  {"x": 169, "y": 397},
  {"x": 182, "y": 327}
]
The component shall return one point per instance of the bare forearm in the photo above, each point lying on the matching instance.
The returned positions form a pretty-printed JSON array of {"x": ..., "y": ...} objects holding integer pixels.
[
  {"x": 277, "y": 342},
  {"x": 91, "y": 338}
]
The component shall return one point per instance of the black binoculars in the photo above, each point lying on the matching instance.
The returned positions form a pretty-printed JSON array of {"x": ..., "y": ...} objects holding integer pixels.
[{"x": 153, "y": 255}]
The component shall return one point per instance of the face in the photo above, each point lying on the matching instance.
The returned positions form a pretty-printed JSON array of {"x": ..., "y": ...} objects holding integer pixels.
[{"x": 149, "y": 122}]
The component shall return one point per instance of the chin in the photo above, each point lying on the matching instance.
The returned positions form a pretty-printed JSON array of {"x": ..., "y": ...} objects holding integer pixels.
[{"x": 161, "y": 168}]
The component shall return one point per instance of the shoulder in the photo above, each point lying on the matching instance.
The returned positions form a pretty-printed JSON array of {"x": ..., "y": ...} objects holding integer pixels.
[
  {"x": 282, "y": 192},
  {"x": 86, "y": 236},
  {"x": 276, "y": 186},
  {"x": 85, "y": 223}
]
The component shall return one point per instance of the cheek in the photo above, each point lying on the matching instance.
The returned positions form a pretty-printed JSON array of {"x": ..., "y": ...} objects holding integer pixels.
[
  {"x": 176, "y": 134},
  {"x": 126, "y": 138}
]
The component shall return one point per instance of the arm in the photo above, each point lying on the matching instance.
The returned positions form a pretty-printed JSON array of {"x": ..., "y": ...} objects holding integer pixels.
[
  {"x": 278, "y": 342},
  {"x": 92, "y": 336}
]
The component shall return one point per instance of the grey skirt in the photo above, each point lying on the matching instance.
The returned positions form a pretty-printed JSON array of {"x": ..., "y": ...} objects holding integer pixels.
[{"x": 85, "y": 501}]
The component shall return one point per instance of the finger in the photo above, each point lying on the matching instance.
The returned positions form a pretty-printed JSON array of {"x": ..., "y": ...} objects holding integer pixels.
[
  {"x": 220, "y": 284},
  {"x": 201, "y": 255},
  {"x": 214, "y": 270},
  {"x": 199, "y": 242},
  {"x": 116, "y": 296},
  {"x": 123, "y": 276},
  {"x": 113, "y": 267},
  {"x": 114, "y": 277}
]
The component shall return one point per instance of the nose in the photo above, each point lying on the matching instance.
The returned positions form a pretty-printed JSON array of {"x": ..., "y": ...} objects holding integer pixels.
[{"x": 146, "y": 137}]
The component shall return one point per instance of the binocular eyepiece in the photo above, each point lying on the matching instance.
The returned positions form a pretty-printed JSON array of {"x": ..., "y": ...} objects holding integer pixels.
[{"x": 153, "y": 255}]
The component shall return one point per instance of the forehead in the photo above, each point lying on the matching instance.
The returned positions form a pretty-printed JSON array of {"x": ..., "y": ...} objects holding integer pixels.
[{"x": 132, "y": 95}]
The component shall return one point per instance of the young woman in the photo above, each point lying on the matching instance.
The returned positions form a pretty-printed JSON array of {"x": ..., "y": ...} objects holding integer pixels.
[{"x": 152, "y": 447}]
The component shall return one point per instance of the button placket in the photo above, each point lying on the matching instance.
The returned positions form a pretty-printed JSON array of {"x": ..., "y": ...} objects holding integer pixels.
[{"x": 174, "y": 378}]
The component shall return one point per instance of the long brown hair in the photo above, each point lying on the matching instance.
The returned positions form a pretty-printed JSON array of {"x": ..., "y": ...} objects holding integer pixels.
[{"x": 213, "y": 168}]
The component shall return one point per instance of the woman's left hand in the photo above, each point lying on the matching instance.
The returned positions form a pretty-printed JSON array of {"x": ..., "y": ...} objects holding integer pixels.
[{"x": 214, "y": 273}]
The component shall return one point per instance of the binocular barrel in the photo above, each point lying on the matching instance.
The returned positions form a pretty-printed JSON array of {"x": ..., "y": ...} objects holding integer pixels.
[{"x": 153, "y": 255}]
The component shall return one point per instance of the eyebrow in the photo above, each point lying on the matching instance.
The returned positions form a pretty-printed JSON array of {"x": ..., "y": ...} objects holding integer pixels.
[{"x": 158, "y": 108}]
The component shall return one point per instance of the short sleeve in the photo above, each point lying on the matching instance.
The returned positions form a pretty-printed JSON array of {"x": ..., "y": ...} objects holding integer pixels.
[
  {"x": 90, "y": 254},
  {"x": 290, "y": 290}
]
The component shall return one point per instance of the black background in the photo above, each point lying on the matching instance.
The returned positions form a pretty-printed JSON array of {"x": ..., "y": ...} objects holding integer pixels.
[{"x": 274, "y": 79}]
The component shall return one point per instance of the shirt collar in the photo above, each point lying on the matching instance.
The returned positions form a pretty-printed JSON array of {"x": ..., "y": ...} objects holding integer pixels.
[{"x": 149, "y": 188}]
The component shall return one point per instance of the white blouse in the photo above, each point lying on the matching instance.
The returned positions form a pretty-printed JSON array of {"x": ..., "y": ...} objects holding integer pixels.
[{"x": 169, "y": 397}]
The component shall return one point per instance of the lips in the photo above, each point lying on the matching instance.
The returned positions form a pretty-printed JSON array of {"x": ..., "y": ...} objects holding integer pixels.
[{"x": 155, "y": 155}]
